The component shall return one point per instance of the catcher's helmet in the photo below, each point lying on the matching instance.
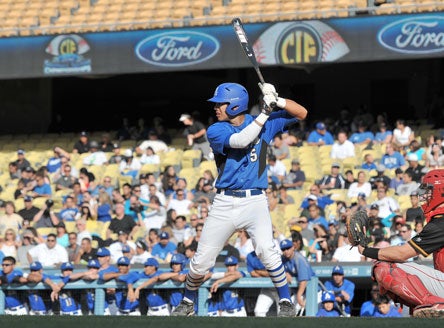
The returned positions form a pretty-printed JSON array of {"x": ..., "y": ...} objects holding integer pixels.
[
  {"x": 234, "y": 94},
  {"x": 178, "y": 259},
  {"x": 431, "y": 193}
]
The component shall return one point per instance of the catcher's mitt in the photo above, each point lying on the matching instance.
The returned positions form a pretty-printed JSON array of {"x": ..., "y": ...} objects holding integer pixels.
[{"x": 357, "y": 226}]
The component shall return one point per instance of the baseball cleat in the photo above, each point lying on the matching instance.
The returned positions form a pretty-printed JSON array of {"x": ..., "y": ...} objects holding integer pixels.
[
  {"x": 184, "y": 309},
  {"x": 429, "y": 311},
  {"x": 286, "y": 309}
]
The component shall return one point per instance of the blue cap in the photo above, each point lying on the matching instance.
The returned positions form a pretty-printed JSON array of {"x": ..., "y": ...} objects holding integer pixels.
[
  {"x": 327, "y": 297},
  {"x": 231, "y": 260},
  {"x": 27, "y": 198},
  {"x": 123, "y": 261},
  {"x": 152, "y": 262},
  {"x": 66, "y": 266},
  {"x": 164, "y": 235},
  {"x": 338, "y": 270},
  {"x": 93, "y": 264},
  {"x": 126, "y": 249},
  {"x": 320, "y": 126},
  {"x": 35, "y": 266},
  {"x": 102, "y": 251},
  {"x": 286, "y": 243},
  {"x": 362, "y": 194}
]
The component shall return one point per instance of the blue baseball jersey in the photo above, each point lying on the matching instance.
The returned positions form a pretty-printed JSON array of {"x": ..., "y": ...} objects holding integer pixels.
[
  {"x": 231, "y": 299},
  {"x": 324, "y": 313},
  {"x": 298, "y": 267},
  {"x": 359, "y": 137},
  {"x": 368, "y": 309},
  {"x": 111, "y": 269},
  {"x": 153, "y": 299},
  {"x": 121, "y": 295},
  {"x": 347, "y": 286},
  {"x": 392, "y": 313},
  {"x": 244, "y": 168},
  {"x": 253, "y": 262},
  {"x": 38, "y": 300},
  {"x": 315, "y": 136},
  {"x": 12, "y": 298},
  {"x": 69, "y": 300}
]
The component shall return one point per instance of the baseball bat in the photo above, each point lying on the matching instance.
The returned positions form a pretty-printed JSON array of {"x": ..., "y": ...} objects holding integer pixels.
[
  {"x": 337, "y": 305},
  {"x": 248, "y": 49}
]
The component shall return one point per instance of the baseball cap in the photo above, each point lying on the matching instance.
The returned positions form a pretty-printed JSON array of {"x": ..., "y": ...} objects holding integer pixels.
[
  {"x": 141, "y": 244},
  {"x": 27, "y": 198},
  {"x": 102, "y": 251},
  {"x": 380, "y": 168},
  {"x": 362, "y": 195},
  {"x": 93, "y": 144},
  {"x": 320, "y": 126},
  {"x": 374, "y": 207},
  {"x": 126, "y": 249},
  {"x": 164, "y": 235},
  {"x": 116, "y": 145},
  {"x": 66, "y": 266},
  {"x": 60, "y": 225},
  {"x": 121, "y": 232},
  {"x": 398, "y": 171},
  {"x": 414, "y": 193},
  {"x": 20, "y": 152},
  {"x": 412, "y": 157},
  {"x": 151, "y": 262},
  {"x": 295, "y": 161},
  {"x": 312, "y": 197},
  {"x": 231, "y": 260},
  {"x": 327, "y": 297},
  {"x": 123, "y": 261},
  {"x": 128, "y": 153},
  {"x": 184, "y": 117},
  {"x": 337, "y": 270},
  {"x": 29, "y": 169},
  {"x": 93, "y": 264},
  {"x": 285, "y": 244},
  {"x": 28, "y": 233},
  {"x": 35, "y": 266},
  {"x": 333, "y": 222},
  {"x": 336, "y": 165},
  {"x": 83, "y": 134}
]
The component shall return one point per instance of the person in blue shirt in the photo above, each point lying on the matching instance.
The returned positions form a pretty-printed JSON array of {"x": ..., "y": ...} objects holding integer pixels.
[
  {"x": 164, "y": 248},
  {"x": 155, "y": 301},
  {"x": 296, "y": 265},
  {"x": 384, "y": 135},
  {"x": 328, "y": 306},
  {"x": 369, "y": 162},
  {"x": 385, "y": 309},
  {"x": 231, "y": 302},
  {"x": 107, "y": 272},
  {"x": 362, "y": 136},
  {"x": 14, "y": 304},
  {"x": 392, "y": 158},
  {"x": 343, "y": 289},
  {"x": 42, "y": 188},
  {"x": 320, "y": 136},
  {"x": 368, "y": 308},
  {"x": 69, "y": 299},
  {"x": 126, "y": 302}
]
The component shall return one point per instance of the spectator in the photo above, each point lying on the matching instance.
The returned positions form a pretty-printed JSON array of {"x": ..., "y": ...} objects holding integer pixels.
[
  {"x": 415, "y": 148},
  {"x": 434, "y": 157},
  {"x": 96, "y": 156},
  {"x": 105, "y": 144},
  {"x": 383, "y": 136},
  {"x": 343, "y": 289},
  {"x": 345, "y": 252},
  {"x": 121, "y": 246},
  {"x": 342, "y": 148},
  {"x": 392, "y": 158},
  {"x": 369, "y": 162},
  {"x": 10, "y": 219},
  {"x": 49, "y": 253},
  {"x": 334, "y": 180},
  {"x": 66, "y": 180},
  {"x": 402, "y": 135},
  {"x": 155, "y": 215},
  {"x": 295, "y": 178},
  {"x": 121, "y": 222},
  {"x": 9, "y": 243},
  {"x": 149, "y": 157},
  {"x": 379, "y": 178},
  {"x": 14, "y": 172},
  {"x": 408, "y": 185},
  {"x": 104, "y": 207},
  {"x": 315, "y": 217},
  {"x": 180, "y": 229},
  {"x": 362, "y": 136},
  {"x": 21, "y": 161},
  {"x": 388, "y": 206},
  {"x": 153, "y": 142},
  {"x": 414, "y": 213},
  {"x": 181, "y": 205},
  {"x": 328, "y": 306},
  {"x": 130, "y": 165},
  {"x": 361, "y": 186},
  {"x": 397, "y": 180},
  {"x": 81, "y": 146},
  {"x": 87, "y": 252},
  {"x": 42, "y": 188},
  {"x": 29, "y": 240},
  {"x": 69, "y": 210},
  {"x": 279, "y": 148},
  {"x": 164, "y": 249},
  {"x": 284, "y": 197},
  {"x": 320, "y": 136},
  {"x": 318, "y": 246},
  {"x": 196, "y": 134},
  {"x": 46, "y": 216},
  {"x": 116, "y": 157},
  {"x": 73, "y": 248},
  {"x": 349, "y": 178},
  {"x": 244, "y": 244},
  {"x": 55, "y": 162},
  {"x": 62, "y": 235},
  {"x": 82, "y": 231},
  {"x": 276, "y": 169},
  {"x": 321, "y": 199},
  {"x": 142, "y": 253},
  {"x": 417, "y": 170}
]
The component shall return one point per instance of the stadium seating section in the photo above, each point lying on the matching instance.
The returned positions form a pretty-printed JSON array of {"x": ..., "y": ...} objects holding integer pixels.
[{"x": 39, "y": 17}]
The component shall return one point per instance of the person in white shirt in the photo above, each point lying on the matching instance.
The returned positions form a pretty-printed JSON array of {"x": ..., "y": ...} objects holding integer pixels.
[
  {"x": 346, "y": 253},
  {"x": 130, "y": 165},
  {"x": 402, "y": 134},
  {"x": 276, "y": 169},
  {"x": 117, "y": 248},
  {"x": 342, "y": 148},
  {"x": 49, "y": 253},
  {"x": 155, "y": 216},
  {"x": 141, "y": 254},
  {"x": 362, "y": 185},
  {"x": 150, "y": 157},
  {"x": 181, "y": 205},
  {"x": 96, "y": 156}
]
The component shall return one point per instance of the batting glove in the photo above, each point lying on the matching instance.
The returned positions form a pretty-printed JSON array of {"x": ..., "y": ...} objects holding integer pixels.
[
  {"x": 269, "y": 104},
  {"x": 268, "y": 89}
]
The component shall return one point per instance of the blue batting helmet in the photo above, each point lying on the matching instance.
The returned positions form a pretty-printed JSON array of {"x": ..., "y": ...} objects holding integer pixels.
[
  {"x": 234, "y": 94},
  {"x": 178, "y": 259}
]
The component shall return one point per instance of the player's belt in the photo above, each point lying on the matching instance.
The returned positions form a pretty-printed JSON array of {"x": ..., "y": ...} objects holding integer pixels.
[
  {"x": 157, "y": 308},
  {"x": 127, "y": 311},
  {"x": 240, "y": 193},
  {"x": 16, "y": 308},
  {"x": 234, "y": 310}
]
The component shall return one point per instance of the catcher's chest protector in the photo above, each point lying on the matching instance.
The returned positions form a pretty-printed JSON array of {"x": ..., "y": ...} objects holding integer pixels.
[{"x": 438, "y": 260}]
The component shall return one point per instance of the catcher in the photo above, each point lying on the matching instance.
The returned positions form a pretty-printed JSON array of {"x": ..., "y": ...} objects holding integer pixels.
[{"x": 418, "y": 286}]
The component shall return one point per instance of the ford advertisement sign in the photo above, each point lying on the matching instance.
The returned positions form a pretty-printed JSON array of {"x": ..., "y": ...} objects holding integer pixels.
[
  {"x": 175, "y": 49},
  {"x": 416, "y": 35}
]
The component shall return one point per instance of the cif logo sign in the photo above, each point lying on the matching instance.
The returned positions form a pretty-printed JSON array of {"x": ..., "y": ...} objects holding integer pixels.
[
  {"x": 299, "y": 43},
  {"x": 175, "y": 49},
  {"x": 416, "y": 35}
]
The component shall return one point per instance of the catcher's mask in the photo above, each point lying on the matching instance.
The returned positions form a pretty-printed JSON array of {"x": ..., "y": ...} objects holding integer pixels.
[{"x": 431, "y": 193}]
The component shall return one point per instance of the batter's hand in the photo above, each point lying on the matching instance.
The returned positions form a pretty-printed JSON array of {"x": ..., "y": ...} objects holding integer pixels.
[
  {"x": 268, "y": 89},
  {"x": 269, "y": 104}
]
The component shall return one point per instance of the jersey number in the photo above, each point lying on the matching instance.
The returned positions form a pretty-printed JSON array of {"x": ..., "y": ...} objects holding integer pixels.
[{"x": 253, "y": 155}]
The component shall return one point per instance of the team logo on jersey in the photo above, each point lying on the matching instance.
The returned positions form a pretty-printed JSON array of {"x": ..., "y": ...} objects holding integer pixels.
[
  {"x": 417, "y": 35},
  {"x": 299, "y": 43},
  {"x": 176, "y": 49},
  {"x": 68, "y": 55}
]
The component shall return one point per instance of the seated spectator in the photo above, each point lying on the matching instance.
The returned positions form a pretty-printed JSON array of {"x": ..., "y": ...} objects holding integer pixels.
[
  {"x": 363, "y": 136},
  {"x": 49, "y": 253},
  {"x": 349, "y": 178},
  {"x": 380, "y": 177},
  {"x": 384, "y": 135},
  {"x": 369, "y": 162},
  {"x": 295, "y": 178},
  {"x": 320, "y": 136},
  {"x": 392, "y": 158},
  {"x": 417, "y": 170},
  {"x": 276, "y": 169},
  {"x": 415, "y": 148},
  {"x": 342, "y": 148},
  {"x": 414, "y": 213},
  {"x": 149, "y": 157},
  {"x": 315, "y": 217},
  {"x": 434, "y": 157},
  {"x": 153, "y": 142},
  {"x": 279, "y": 148},
  {"x": 164, "y": 249},
  {"x": 130, "y": 165},
  {"x": 408, "y": 185},
  {"x": 402, "y": 135},
  {"x": 96, "y": 156},
  {"x": 284, "y": 197},
  {"x": 334, "y": 180},
  {"x": 396, "y": 181},
  {"x": 321, "y": 199},
  {"x": 388, "y": 206},
  {"x": 361, "y": 186},
  {"x": 42, "y": 188}
]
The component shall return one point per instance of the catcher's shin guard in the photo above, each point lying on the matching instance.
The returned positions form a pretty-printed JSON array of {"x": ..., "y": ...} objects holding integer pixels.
[{"x": 407, "y": 288}]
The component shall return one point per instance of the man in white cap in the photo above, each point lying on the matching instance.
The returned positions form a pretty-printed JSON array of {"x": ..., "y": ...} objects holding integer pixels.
[{"x": 417, "y": 170}]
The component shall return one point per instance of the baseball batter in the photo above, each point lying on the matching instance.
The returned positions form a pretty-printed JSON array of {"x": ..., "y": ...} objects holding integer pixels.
[
  {"x": 418, "y": 286},
  {"x": 239, "y": 142}
]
